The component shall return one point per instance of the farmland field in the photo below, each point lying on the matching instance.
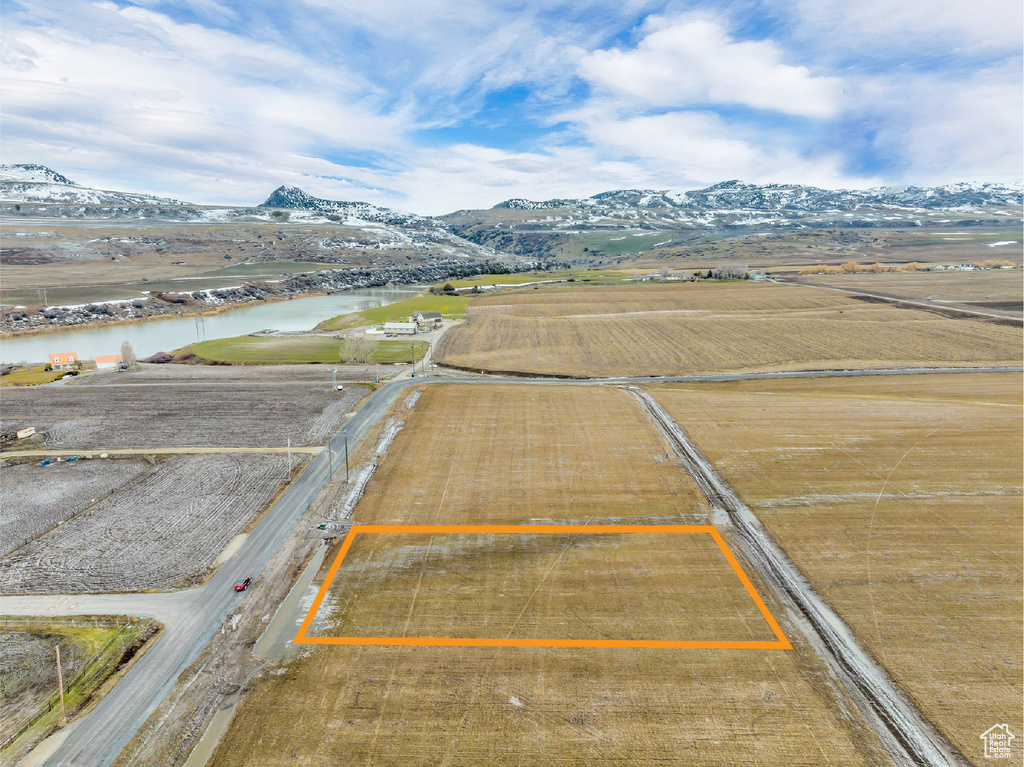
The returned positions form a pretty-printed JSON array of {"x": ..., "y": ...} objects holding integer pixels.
[
  {"x": 37, "y": 498},
  {"x": 900, "y": 500},
  {"x": 538, "y": 454},
  {"x": 426, "y": 585},
  {"x": 82, "y": 417},
  {"x": 505, "y": 454},
  {"x": 996, "y": 290},
  {"x": 159, "y": 531},
  {"x": 266, "y": 350},
  {"x": 701, "y": 328}
]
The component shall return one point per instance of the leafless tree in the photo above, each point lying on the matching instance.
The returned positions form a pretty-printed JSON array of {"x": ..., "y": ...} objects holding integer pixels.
[
  {"x": 128, "y": 355},
  {"x": 729, "y": 272},
  {"x": 358, "y": 349}
]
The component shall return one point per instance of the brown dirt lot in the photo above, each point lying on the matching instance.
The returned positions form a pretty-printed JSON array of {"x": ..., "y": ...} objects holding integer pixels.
[
  {"x": 709, "y": 327},
  {"x": 160, "y": 531},
  {"x": 900, "y": 500},
  {"x": 520, "y": 455},
  {"x": 82, "y": 417}
]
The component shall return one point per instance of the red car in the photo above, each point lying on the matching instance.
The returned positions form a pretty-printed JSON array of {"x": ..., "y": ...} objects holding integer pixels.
[{"x": 243, "y": 584}]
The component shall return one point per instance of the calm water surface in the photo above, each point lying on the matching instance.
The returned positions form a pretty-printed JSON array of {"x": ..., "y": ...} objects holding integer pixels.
[{"x": 155, "y": 336}]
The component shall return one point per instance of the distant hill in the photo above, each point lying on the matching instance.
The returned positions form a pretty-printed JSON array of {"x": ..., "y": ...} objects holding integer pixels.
[
  {"x": 37, "y": 183},
  {"x": 737, "y": 195},
  {"x": 293, "y": 198}
]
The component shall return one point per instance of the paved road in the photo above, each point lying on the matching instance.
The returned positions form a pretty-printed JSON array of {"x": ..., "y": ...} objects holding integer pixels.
[{"x": 192, "y": 617}]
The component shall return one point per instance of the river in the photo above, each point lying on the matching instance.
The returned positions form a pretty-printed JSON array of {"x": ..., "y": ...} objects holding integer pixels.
[{"x": 154, "y": 336}]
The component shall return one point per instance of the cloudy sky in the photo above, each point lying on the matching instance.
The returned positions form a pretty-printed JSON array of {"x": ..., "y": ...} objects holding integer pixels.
[{"x": 435, "y": 105}]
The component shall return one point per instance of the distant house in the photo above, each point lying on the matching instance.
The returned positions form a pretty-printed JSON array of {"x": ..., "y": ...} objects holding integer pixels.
[
  {"x": 108, "y": 361},
  {"x": 424, "y": 318},
  {"x": 64, "y": 361},
  {"x": 400, "y": 328},
  {"x": 25, "y": 433}
]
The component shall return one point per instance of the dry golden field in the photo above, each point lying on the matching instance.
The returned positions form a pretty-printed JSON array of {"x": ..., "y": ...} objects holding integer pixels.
[
  {"x": 709, "y": 327},
  {"x": 1000, "y": 291},
  {"x": 522, "y": 455},
  {"x": 572, "y": 586},
  {"x": 516, "y": 455},
  {"x": 901, "y": 501}
]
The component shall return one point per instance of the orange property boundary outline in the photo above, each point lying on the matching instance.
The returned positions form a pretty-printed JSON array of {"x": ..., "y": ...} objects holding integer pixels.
[{"x": 781, "y": 642}]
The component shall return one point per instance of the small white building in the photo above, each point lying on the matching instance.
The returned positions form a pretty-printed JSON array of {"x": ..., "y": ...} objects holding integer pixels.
[
  {"x": 108, "y": 361},
  {"x": 400, "y": 328},
  {"x": 25, "y": 433}
]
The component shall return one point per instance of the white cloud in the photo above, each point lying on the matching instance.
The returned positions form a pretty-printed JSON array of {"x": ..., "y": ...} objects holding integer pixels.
[
  {"x": 885, "y": 28},
  {"x": 334, "y": 99},
  {"x": 142, "y": 90},
  {"x": 939, "y": 129},
  {"x": 691, "y": 60}
]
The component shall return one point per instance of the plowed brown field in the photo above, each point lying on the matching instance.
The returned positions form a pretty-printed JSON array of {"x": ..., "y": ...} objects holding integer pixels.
[{"x": 707, "y": 327}]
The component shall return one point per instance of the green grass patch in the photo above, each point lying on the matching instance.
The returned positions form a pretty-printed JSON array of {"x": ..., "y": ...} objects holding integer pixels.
[
  {"x": 621, "y": 242},
  {"x": 398, "y": 351},
  {"x": 105, "y": 644},
  {"x": 296, "y": 350},
  {"x": 32, "y": 376},
  {"x": 448, "y": 306}
]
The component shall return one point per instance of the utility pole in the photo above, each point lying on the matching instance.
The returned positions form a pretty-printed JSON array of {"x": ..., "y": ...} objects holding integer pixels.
[
  {"x": 346, "y": 458},
  {"x": 334, "y": 379},
  {"x": 330, "y": 462},
  {"x": 60, "y": 686},
  {"x": 289, "y": 456}
]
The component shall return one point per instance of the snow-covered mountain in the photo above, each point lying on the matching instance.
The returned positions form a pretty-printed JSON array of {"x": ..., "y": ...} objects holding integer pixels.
[
  {"x": 30, "y": 172},
  {"x": 737, "y": 195},
  {"x": 37, "y": 183},
  {"x": 293, "y": 198}
]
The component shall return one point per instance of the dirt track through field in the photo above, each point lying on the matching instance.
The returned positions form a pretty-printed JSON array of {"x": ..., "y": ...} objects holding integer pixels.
[{"x": 909, "y": 737}]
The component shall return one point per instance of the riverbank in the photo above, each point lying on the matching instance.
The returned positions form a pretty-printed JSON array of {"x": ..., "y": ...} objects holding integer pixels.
[
  {"x": 19, "y": 321},
  {"x": 174, "y": 331},
  {"x": 114, "y": 322}
]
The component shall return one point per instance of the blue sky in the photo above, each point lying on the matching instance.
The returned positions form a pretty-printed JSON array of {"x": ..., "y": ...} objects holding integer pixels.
[{"x": 436, "y": 105}]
